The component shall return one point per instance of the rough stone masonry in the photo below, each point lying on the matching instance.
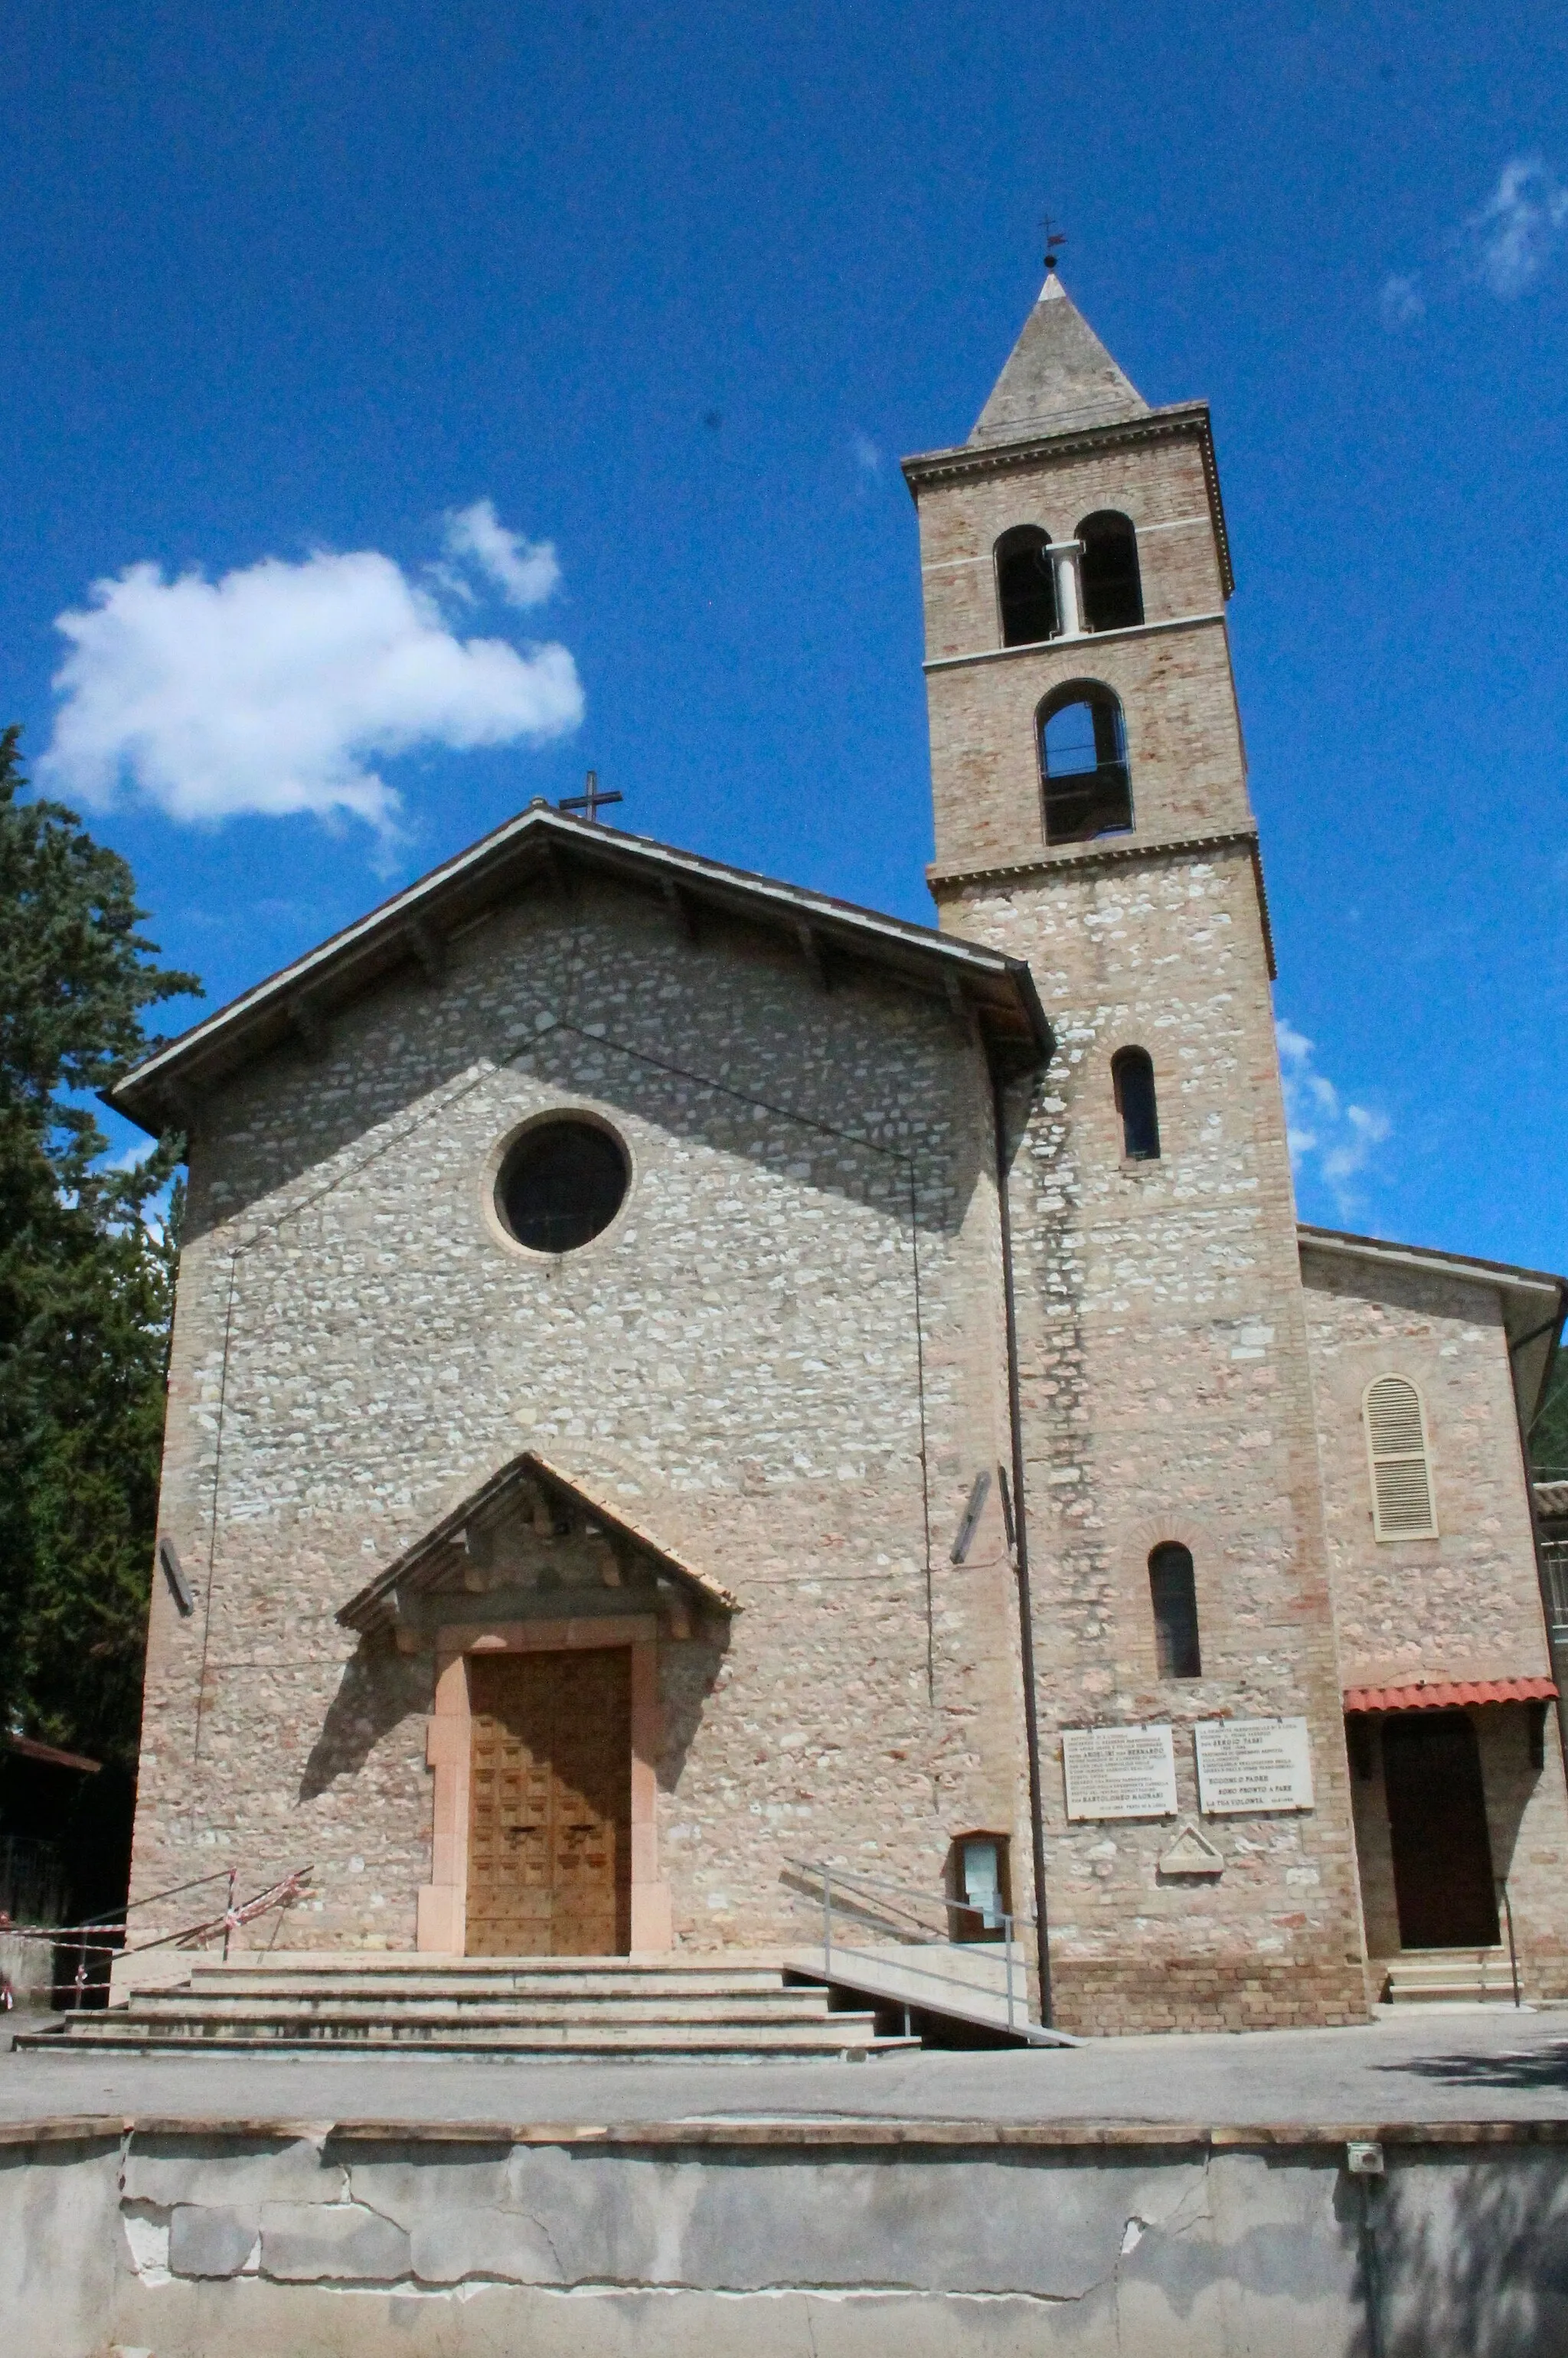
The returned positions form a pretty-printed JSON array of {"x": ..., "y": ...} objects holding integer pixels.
[{"x": 882, "y": 1232}]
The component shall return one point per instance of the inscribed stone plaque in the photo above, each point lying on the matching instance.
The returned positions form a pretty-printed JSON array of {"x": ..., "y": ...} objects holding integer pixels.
[
  {"x": 1119, "y": 1772},
  {"x": 1252, "y": 1764}
]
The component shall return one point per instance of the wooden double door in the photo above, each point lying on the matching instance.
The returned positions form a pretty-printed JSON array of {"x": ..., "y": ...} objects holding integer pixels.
[{"x": 550, "y": 1866}]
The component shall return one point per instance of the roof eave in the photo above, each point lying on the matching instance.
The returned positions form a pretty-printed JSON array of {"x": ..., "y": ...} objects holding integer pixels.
[
  {"x": 374, "y": 1605},
  {"x": 1074, "y": 441},
  {"x": 538, "y": 846},
  {"x": 1535, "y": 1301}
]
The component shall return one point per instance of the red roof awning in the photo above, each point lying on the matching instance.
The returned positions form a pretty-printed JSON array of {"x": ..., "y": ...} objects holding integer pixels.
[{"x": 1443, "y": 1694}]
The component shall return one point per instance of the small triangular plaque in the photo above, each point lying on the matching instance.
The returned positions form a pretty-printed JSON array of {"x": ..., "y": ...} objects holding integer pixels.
[{"x": 1192, "y": 1853}]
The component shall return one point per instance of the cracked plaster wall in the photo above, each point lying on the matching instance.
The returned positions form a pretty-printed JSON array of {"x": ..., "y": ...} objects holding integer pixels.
[{"x": 202, "y": 2244}]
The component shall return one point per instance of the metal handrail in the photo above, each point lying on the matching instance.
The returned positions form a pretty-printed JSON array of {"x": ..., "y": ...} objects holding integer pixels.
[
  {"x": 1005, "y": 1919},
  {"x": 909, "y": 1891},
  {"x": 1513, "y": 1952}
]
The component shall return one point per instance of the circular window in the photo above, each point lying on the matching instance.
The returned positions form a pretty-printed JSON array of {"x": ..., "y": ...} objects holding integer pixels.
[{"x": 561, "y": 1185}]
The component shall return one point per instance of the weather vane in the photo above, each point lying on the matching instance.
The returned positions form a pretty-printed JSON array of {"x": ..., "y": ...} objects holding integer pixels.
[
  {"x": 592, "y": 803},
  {"x": 1054, "y": 240}
]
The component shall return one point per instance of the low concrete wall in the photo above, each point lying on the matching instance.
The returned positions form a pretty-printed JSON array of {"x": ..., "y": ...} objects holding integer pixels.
[{"x": 814, "y": 2240}]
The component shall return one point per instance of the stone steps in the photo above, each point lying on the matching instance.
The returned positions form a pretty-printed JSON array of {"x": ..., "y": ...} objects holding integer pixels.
[
  {"x": 220, "y": 1985},
  {"x": 1449, "y": 1977},
  {"x": 595, "y": 2009},
  {"x": 436, "y": 2011}
]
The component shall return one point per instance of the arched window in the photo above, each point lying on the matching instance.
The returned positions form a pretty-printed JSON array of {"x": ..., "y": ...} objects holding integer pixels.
[
  {"x": 1173, "y": 1593},
  {"x": 1083, "y": 763},
  {"x": 1132, "y": 1077},
  {"x": 1113, "y": 590},
  {"x": 1402, "y": 1503},
  {"x": 1025, "y": 587}
]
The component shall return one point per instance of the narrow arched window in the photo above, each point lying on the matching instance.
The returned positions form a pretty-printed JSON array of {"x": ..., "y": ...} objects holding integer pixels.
[
  {"x": 1403, "y": 1507},
  {"x": 1025, "y": 587},
  {"x": 1173, "y": 1590},
  {"x": 1083, "y": 763},
  {"x": 1132, "y": 1077},
  {"x": 1113, "y": 589}
]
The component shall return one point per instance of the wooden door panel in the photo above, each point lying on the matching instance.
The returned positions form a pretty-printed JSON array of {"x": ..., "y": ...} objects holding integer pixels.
[
  {"x": 1437, "y": 1830},
  {"x": 550, "y": 1804}
]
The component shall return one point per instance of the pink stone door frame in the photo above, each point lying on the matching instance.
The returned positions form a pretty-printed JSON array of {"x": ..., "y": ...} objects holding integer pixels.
[{"x": 443, "y": 1901}]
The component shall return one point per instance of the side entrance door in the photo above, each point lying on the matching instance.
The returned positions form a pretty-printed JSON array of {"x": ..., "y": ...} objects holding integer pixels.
[
  {"x": 1437, "y": 1823},
  {"x": 549, "y": 1869}
]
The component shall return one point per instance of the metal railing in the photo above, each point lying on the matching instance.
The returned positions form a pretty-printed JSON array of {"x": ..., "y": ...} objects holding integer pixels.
[
  {"x": 1513, "y": 1951},
  {"x": 877, "y": 1904},
  {"x": 1554, "y": 1563},
  {"x": 107, "y": 1935}
]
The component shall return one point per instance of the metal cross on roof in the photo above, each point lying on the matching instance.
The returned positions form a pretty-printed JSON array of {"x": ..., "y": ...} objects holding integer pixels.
[{"x": 593, "y": 801}]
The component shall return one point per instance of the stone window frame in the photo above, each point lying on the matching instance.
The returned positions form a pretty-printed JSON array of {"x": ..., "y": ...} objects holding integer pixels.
[
  {"x": 442, "y": 1903},
  {"x": 490, "y": 1177}
]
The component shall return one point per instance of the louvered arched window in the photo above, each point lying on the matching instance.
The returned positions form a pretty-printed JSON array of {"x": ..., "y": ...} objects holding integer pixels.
[{"x": 1403, "y": 1507}]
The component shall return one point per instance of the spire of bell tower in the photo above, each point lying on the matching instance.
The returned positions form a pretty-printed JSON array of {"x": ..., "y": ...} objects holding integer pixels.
[{"x": 1059, "y": 375}]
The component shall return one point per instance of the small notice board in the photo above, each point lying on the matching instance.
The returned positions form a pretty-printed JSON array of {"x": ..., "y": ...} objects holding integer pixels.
[
  {"x": 1119, "y": 1772},
  {"x": 1252, "y": 1764}
]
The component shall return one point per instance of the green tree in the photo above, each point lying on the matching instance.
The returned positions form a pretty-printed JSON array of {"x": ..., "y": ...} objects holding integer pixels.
[
  {"x": 86, "y": 1283},
  {"x": 1549, "y": 1435}
]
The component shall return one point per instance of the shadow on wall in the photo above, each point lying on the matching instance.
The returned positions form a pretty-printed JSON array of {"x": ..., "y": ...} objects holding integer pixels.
[
  {"x": 379, "y": 1688},
  {"x": 688, "y": 1676},
  {"x": 700, "y": 1076},
  {"x": 1471, "y": 2260}
]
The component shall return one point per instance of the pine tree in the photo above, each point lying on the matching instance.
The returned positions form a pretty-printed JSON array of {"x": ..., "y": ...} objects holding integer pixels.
[{"x": 86, "y": 1283}]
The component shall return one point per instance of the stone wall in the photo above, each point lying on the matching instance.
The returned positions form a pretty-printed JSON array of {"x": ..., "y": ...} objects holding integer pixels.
[
  {"x": 1467, "y": 1604},
  {"x": 1464, "y": 1605},
  {"x": 1167, "y": 1396},
  {"x": 781, "y": 1361}
]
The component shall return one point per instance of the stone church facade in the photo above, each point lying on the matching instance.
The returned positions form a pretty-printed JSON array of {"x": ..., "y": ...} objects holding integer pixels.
[{"x": 677, "y": 1380}]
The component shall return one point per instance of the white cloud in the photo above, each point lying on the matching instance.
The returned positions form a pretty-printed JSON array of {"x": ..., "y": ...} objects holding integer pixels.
[
  {"x": 1509, "y": 243},
  {"x": 524, "y": 571},
  {"x": 866, "y": 456},
  {"x": 1401, "y": 301},
  {"x": 274, "y": 689},
  {"x": 1335, "y": 1138}
]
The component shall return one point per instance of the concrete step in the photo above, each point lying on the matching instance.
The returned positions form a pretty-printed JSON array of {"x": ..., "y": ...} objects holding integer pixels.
[
  {"x": 836, "y": 2035},
  {"x": 1449, "y": 1977},
  {"x": 438, "y": 2009},
  {"x": 608, "y": 2008},
  {"x": 222, "y": 1982}
]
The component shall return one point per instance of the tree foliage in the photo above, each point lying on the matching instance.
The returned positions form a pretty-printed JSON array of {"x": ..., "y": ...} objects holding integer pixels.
[
  {"x": 1549, "y": 1434},
  {"x": 86, "y": 1283}
]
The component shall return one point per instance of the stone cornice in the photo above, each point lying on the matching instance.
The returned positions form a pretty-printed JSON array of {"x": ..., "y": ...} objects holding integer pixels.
[
  {"x": 943, "y": 882},
  {"x": 1178, "y": 420},
  {"x": 1062, "y": 646}
]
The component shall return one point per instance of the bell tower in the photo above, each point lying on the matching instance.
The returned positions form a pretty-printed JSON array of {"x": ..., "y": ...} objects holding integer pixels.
[{"x": 1091, "y": 811}]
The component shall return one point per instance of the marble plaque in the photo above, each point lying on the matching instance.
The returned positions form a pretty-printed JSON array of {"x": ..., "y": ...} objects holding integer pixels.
[
  {"x": 1119, "y": 1772},
  {"x": 1252, "y": 1764}
]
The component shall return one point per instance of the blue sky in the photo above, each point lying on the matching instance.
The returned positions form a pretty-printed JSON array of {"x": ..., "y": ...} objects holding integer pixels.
[{"x": 666, "y": 292}]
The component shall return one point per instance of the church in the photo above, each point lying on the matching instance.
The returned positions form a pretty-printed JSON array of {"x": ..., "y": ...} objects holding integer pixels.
[{"x": 679, "y": 1382}]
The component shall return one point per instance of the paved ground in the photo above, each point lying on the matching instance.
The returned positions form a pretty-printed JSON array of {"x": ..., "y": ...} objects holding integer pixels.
[{"x": 1461, "y": 2066}]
